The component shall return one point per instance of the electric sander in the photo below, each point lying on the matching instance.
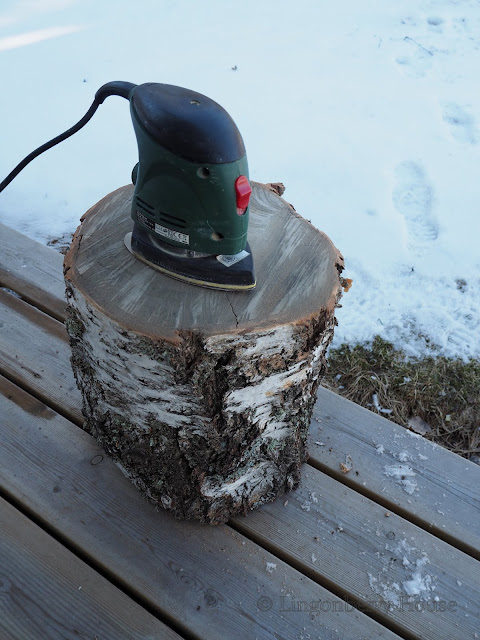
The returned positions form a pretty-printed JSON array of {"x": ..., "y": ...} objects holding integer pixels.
[{"x": 190, "y": 205}]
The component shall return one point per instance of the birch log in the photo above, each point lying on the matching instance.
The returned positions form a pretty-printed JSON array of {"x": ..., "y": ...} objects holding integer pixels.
[{"x": 202, "y": 397}]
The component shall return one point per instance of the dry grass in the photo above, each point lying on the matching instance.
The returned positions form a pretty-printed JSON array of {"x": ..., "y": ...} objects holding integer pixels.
[{"x": 444, "y": 393}]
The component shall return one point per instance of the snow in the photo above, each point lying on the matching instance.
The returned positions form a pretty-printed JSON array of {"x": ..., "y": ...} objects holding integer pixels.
[
  {"x": 409, "y": 578},
  {"x": 376, "y": 403},
  {"x": 419, "y": 582},
  {"x": 403, "y": 474},
  {"x": 366, "y": 111}
]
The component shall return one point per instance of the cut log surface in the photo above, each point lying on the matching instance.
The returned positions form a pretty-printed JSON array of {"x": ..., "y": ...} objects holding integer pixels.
[
  {"x": 203, "y": 397},
  {"x": 296, "y": 268}
]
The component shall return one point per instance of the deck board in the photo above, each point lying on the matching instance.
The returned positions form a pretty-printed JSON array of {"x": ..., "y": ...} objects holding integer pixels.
[
  {"x": 35, "y": 354},
  {"x": 333, "y": 534},
  {"x": 47, "y": 592},
  {"x": 33, "y": 269},
  {"x": 210, "y": 579},
  {"x": 441, "y": 494},
  {"x": 351, "y": 555}
]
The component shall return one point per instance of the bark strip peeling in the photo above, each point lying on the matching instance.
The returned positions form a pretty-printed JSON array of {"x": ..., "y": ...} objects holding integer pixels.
[{"x": 206, "y": 428}]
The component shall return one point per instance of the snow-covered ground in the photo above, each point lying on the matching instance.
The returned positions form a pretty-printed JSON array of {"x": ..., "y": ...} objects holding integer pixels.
[{"x": 369, "y": 112}]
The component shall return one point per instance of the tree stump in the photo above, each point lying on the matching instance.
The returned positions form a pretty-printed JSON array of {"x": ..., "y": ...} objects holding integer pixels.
[{"x": 202, "y": 397}]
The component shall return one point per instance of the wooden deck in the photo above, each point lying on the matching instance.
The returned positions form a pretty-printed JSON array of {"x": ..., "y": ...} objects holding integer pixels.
[{"x": 389, "y": 549}]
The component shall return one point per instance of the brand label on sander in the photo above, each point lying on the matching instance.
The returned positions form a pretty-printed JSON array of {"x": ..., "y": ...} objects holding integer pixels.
[{"x": 171, "y": 234}]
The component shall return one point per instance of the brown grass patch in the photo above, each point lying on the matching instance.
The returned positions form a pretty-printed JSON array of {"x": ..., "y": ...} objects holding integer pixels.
[{"x": 443, "y": 393}]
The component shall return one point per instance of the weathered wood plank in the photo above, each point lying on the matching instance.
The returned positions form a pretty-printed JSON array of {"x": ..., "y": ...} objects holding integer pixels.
[
  {"x": 33, "y": 270},
  {"x": 213, "y": 580},
  {"x": 35, "y": 354},
  {"x": 439, "y": 490},
  {"x": 47, "y": 592},
  {"x": 425, "y": 586}
]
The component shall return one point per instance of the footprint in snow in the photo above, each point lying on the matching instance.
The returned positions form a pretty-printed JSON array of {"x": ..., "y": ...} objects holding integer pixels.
[
  {"x": 412, "y": 197},
  {"x": 461, "y": 123},
  {"x": 435, "y": 23}
]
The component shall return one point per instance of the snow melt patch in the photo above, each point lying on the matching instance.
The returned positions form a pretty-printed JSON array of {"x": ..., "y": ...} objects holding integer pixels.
[
  {"x": 403, "y": 474},
  {"x": 419, "y": 583},
  {"x": 405, "y": 579},
  {"x": 389, "y": 592}
]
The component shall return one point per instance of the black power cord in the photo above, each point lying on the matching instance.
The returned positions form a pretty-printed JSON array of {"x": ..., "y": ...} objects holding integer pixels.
[
  {"x": 115, "y": 88},
  {"x": 48, "y": 145}
]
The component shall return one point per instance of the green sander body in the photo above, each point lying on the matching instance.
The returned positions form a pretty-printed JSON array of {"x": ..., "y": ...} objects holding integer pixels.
[{"x": 191, "y": 188}]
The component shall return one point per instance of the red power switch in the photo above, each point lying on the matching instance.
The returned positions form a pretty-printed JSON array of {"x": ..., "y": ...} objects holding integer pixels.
[{"x": 243, "y": 191}]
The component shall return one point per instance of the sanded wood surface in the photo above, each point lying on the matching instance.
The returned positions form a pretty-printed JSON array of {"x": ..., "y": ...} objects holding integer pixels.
[
  {"x": 214, "y": 581},
  {"x": 290, "y": 255},
  {"x": 47, "y": 592},
  {"x": 32, "y": 268}
]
